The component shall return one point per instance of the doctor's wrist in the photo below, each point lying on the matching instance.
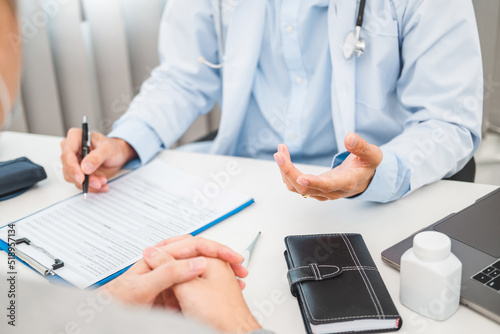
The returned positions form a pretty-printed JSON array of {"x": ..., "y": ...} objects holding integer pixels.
[{"x": 126, "y": 150}]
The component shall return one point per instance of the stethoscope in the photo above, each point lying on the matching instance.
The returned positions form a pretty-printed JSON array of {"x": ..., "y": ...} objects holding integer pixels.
[{"x": 353, "y": 44}]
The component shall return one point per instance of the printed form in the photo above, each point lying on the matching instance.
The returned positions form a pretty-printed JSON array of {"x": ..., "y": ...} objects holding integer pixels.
[{"x": 104, "y": 234}]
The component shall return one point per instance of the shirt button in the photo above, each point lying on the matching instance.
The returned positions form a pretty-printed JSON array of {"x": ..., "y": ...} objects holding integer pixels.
[
  {"x": 289, "y": 28},
  {"x": 293, "y": 136},
  {"x": 298, "y": 79}
]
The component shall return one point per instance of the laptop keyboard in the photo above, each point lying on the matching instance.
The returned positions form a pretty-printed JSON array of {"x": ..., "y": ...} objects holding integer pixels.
[{"x": 490, "y": 276}]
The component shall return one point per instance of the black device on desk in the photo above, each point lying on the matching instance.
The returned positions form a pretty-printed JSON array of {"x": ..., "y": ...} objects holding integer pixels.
[
  {"x": 17, "y": 176},
  {"x": 475, "y": 240}
]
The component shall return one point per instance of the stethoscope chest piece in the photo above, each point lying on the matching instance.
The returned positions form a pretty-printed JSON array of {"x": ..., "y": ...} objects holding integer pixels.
[{"x": 353, "y": 44}]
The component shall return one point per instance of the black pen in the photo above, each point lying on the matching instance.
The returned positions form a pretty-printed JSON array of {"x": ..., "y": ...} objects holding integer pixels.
[{"x": 85, "y": 151}]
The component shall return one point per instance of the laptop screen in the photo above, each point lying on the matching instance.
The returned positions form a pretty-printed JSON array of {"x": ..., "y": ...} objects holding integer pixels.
[{"x": 477, "y": 226}]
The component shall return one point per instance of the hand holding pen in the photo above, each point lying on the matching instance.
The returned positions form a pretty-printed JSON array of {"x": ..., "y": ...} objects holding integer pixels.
[{"x": 105, "y": 157}]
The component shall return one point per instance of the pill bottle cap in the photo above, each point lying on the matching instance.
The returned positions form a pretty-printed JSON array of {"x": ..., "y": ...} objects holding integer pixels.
[{"x": 433, "y": 246}]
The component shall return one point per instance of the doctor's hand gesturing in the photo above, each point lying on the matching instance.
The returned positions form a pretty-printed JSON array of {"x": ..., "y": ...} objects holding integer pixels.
[
  {"x": 107, "y": 156},
  {"x": 350, "y": 178}
]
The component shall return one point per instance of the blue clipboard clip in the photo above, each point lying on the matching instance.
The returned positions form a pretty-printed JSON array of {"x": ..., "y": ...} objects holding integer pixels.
[{"x": 42, "y": 269}]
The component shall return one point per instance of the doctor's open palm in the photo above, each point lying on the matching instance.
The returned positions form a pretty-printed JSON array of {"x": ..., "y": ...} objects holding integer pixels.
[
  {"x": 107, "y": 156},
  {"x": 349, "y": 179}
]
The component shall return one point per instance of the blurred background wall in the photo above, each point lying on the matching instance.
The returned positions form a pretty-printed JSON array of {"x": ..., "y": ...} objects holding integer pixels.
[{"x": 88, "y": 57}]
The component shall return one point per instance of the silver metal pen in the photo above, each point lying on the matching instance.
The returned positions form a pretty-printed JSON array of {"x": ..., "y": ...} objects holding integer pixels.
[{"x": 247, "y": 253}]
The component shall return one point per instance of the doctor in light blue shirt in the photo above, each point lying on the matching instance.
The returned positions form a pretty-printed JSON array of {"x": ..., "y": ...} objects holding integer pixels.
[{"x": 406, "y": 113}]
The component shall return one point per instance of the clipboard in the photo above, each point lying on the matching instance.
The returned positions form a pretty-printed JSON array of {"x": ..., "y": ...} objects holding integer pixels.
[
  {"x": 53, "y": 278},
  {"x": 57, "y": 260},
  {"x": 51, "y": 273}
]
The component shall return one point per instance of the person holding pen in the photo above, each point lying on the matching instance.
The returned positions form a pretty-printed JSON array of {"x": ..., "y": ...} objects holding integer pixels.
[
  {"x": 404, "y": 113},
  {"x": 195, "y": 275}
]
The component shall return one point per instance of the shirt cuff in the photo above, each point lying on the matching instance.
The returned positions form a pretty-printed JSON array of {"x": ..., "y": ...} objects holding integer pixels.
[
  {"x": 390, "y": 182},
  {"x": 141, "y": 137}
]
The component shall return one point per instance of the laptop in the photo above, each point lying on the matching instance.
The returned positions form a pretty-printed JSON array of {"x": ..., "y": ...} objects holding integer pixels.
[{"x": 475, "y": 240}]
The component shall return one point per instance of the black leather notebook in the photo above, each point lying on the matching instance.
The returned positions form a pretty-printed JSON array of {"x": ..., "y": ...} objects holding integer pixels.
[{"x": 338, "y": 286}]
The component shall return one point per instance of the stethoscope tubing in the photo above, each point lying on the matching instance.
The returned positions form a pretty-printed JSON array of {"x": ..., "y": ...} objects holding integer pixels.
[{"x": 357, "y": 39}]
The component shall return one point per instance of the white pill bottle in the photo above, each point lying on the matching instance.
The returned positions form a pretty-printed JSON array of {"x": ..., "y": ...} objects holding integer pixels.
[{"x": 431, "y": 276}]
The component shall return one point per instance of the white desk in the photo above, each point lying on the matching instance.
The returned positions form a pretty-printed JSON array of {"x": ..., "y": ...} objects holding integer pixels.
[{"x": 277, "y": 213}]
